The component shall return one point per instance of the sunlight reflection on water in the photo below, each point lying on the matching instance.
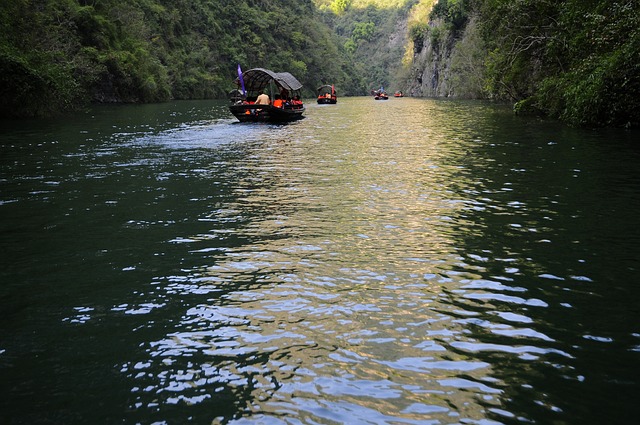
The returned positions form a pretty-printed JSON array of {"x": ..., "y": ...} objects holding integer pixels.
[
  {"x": 329, "y": 302},
  {"x": 410, "y": 261}
]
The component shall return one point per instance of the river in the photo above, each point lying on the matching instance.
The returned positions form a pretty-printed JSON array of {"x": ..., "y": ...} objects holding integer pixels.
[{"x": 410, "y": 261}]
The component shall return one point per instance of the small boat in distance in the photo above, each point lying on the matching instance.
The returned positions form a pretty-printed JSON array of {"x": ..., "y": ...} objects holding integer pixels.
[
  {"x": 327, "y": 95},
  {"x": 380, "y": 95},
  {"x": 264, "y": 95}
]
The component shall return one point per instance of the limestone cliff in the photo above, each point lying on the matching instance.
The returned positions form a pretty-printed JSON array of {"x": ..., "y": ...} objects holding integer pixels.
[
  {"x": 431, "y": 64},
  {"x": 447, "y": 63}
]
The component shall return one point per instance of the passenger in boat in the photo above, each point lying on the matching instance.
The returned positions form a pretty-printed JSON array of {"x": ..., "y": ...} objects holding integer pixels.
[
  {"x": 278, "y": 102},
  {"x": 263, "y": 99},
  {"x": 296, "y": 102},
  {"x": 249, "y": 101}
]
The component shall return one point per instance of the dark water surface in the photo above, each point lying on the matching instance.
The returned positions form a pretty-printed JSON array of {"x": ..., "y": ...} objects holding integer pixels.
[{"x": 401, "y": 262}]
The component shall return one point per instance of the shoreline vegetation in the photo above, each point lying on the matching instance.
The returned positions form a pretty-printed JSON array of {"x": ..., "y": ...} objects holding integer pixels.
[{"x": 573, "y": 60}]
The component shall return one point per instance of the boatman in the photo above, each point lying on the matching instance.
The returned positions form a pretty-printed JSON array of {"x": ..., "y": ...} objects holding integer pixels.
[{"x": 263, "y": 98}]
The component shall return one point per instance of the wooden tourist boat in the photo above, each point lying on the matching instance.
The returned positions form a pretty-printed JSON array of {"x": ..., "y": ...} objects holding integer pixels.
[
  {"x": 327, "y": 95},
  {"x": 282, "y": 88},
  {"x": 381, "y": 96}
]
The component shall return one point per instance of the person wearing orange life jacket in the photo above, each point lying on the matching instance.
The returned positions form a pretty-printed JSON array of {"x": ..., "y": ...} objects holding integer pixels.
[
  {"x": 278, "y": 102},
  {"x": 296, "y": 102},
  {"x": 249, "y": 101}
]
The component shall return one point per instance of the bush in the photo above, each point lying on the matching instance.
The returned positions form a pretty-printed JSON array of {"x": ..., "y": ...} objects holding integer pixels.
[
  {"x": 32, "y": 90},
  {"x": 418, "y": 32}
]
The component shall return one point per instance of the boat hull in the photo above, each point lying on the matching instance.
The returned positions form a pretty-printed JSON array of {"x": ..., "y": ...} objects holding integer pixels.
[
  {"x": 268, "y": 113},
  {"x": 327, "y": 101}
]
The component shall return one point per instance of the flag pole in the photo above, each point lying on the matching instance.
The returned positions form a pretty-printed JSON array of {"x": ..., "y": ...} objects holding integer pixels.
[{"x": 244, "y": 92}]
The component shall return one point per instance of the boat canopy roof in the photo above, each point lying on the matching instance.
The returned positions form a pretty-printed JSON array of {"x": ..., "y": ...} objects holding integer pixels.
[
  {"x": 259, "y": 78},
  {"x": 327, "y": 88}
]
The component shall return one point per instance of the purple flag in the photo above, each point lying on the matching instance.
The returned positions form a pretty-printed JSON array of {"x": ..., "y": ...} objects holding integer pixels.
[{"x": 244, "y": 92}]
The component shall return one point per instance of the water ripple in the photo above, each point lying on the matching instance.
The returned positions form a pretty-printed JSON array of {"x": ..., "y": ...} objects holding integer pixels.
[{"x": 414, "y": 261}]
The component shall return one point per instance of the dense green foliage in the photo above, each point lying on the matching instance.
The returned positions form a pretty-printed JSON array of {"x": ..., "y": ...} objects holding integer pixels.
[
  {"x": 454, "y": 12},
  {"x": 56, "y": 54},
  {"x": 577, "y": 60},
  {"x": 367, "y": 27}
]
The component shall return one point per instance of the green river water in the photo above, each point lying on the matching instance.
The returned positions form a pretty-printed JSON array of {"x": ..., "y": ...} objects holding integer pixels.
[{"x": 409, "y": 261}]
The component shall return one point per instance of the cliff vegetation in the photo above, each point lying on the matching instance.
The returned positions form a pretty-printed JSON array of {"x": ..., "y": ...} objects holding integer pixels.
[
  {"x": 575, "y": 60},
  {"x": 59, "y": 54}
]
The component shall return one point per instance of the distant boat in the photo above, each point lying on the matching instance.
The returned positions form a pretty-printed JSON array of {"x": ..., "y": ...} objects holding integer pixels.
[
  {"x": 327, "y": 95},
  {"x": 380, "y": 95},
  {"x": 398, "y": 94},
  {"x": 281, "y": 87}
]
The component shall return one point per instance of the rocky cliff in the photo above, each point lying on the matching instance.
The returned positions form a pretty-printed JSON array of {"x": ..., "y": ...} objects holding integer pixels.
[{"x": 447, "y": 63}]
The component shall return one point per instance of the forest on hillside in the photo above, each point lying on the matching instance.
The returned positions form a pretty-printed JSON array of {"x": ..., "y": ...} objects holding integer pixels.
[
  {"x": 58, "y": 54},
  {"x": 576, "y": 60}
]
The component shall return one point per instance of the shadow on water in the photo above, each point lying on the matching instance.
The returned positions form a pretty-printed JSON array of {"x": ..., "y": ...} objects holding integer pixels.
[{"x": 548, "y": 231}]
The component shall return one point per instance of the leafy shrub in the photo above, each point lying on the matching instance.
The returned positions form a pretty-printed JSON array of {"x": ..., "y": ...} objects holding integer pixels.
[
  {"x": 418, "y": 31},
  {"x": 339, "y": 6}
]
